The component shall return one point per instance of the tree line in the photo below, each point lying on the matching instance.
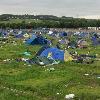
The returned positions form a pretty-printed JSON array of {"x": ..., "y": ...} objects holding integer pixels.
[{"x": 47, "y": 21}]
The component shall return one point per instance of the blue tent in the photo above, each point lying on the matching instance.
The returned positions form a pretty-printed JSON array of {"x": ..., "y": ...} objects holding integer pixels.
[
  {"x": 30, "y": 40},
  {"x": 36, "y": 40},
  {"x": 42, "y": 49},
  {"x": 19, "y": 36},
  {"x": 95, "y": 41},
  {"x": 62, "y": 42},
  {"x": 54, "y": 53},
  {"x": 83, "y": 34},
  {"x": 63, "y": 34},
  {"x": 4, "y": 34}
]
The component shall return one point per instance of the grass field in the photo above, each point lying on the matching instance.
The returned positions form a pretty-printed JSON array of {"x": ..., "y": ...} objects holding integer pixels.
[{"x": 20, "y": 81}]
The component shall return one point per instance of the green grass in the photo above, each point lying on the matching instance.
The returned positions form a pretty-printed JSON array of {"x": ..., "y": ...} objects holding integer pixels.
[{"x": 37, "y": 83}]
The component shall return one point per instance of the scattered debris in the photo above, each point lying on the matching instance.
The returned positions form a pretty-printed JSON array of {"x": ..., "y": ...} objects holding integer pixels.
[
  {"x": 69, "y": 96},
  {"x": 98, "y": 77},
  {"x": 58, "y": 93},
  {"x": 86, "y": 74}
]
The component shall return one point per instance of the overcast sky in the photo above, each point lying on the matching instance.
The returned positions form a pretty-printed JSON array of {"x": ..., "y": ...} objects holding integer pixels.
[{"x": 55, "y": 7}]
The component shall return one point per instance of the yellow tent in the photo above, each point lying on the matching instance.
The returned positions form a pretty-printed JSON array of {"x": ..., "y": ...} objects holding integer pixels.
[{"x": 67, "y": 56}]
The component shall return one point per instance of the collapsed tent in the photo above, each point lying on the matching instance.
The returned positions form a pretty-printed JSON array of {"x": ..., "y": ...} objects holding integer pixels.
[
  {"x": 36, "y": 40},
  {"x": 65, "y": 41},
  {"x": 82, "y": 44},
  {"x": 88, "y": 59},
  {"x": 72, "y": 44},
  {"x": 44, "y": 61},
  {"x": 84, "y": 34}
]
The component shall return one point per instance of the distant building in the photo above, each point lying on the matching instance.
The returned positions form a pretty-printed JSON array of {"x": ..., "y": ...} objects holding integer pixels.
[{"x": 94, "y": 28}]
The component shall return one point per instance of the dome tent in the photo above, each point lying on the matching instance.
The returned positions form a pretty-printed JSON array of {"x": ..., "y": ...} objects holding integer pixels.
[
  {"x": 37, "y": 40},
  {"x": 55, "y": 54},
  {"x": 5, "y": 34},
  {"x": 63, "y": 34}
]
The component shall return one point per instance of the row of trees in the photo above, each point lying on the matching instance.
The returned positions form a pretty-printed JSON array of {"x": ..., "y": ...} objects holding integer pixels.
[{"x": 60, "y": 22}]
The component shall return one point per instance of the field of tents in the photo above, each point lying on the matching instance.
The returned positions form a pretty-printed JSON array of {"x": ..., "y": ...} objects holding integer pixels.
[{"x": 49, "y": 65}]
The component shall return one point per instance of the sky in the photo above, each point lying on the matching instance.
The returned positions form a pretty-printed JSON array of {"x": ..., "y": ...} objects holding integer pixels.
[{"x": 72, "y": 8}]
